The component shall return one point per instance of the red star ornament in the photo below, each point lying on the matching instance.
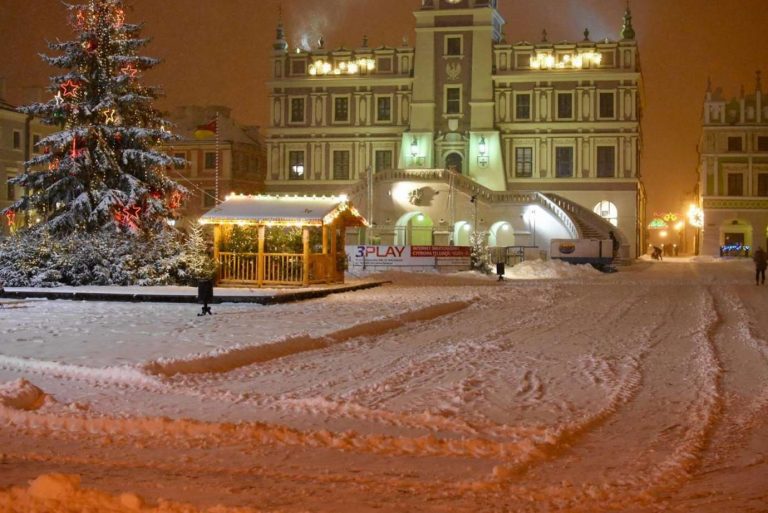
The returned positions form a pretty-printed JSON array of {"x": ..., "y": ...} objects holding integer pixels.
[
  {"x": 69, "y": 88},
  {"x": 11, "y": 217}
]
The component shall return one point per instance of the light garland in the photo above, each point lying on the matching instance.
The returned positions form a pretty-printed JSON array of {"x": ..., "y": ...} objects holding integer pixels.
[
  {"x": 69, "y": 88},
  {"x": 695, "y": 216},
  {"x": 567, "y": 61},
  {"x": 321, "y": 67}
]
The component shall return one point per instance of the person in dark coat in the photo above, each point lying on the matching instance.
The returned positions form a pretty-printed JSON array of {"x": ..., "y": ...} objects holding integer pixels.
[{"x": 760, "y": 264}]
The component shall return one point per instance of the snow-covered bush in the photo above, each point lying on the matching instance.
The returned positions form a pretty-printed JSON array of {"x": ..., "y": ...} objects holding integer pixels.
[{"x": 35, "y": 258}]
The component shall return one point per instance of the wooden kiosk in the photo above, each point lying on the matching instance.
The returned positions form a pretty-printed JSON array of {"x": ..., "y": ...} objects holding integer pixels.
[{"x": 244, "y": 248}]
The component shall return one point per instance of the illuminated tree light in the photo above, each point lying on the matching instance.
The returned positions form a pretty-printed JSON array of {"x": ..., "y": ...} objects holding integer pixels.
[
  {"x": 10, "y": 217},
  {"x": 130, "y": 70},
  {"x": 69, "y": 88},
  {"x": 110, "y": 116}
]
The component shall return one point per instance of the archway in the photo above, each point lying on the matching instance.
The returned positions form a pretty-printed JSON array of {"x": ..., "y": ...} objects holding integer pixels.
[
  {"x": 461, "y": 232},
  {"x": 414, "y": 229},
  {"x": 501, "y": 234},
  {"x": 607, "y": 211},
  {"x": 735, "y": 237},
  {"x": 454, "y": 162}
]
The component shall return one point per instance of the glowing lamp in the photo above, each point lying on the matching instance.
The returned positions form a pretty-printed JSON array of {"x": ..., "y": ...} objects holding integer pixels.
[
  {"x": 414, "y": 148},
  {"x": 483, "y": 148},
  {"x": 420, "y": 217}
]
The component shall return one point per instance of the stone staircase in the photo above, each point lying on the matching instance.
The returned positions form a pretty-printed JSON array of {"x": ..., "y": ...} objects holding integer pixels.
[{"x": 580, "y": 222}]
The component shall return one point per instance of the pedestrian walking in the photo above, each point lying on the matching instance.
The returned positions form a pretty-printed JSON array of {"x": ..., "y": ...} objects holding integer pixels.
[
  {"x": 760, "y": 264},
  {"x": 616, "y": 244}
]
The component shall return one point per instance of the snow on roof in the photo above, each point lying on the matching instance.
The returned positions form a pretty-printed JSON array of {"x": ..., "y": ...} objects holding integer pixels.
[{"x": 300, "y": 210}]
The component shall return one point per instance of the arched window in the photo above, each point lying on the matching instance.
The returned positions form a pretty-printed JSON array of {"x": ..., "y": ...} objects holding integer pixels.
[
  {"x": 454, "y": 162},
  {"x": 607, "y": 211}
]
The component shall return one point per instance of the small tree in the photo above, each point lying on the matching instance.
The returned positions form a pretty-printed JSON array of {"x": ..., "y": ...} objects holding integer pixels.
[
  {"x": 101, "y": 170},
  {"x": 200, "y": 265},
  {"x": 479, "y": 254}
]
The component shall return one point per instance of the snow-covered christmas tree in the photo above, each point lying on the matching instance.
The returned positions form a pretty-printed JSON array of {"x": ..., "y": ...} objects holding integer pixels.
[
  {"x": 101, "y": 170},
  {"x": 479, "y": 254}
]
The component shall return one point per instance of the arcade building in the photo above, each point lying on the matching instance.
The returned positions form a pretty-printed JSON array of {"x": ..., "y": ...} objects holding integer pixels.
[{"x": 464, "y": 131}]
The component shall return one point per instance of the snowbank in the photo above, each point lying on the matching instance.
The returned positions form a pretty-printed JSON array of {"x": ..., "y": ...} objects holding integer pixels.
[
  {"x": 549, "y": 269},
  {"x": 62, "y": 493},
  {"x": 21, "y": 395}
]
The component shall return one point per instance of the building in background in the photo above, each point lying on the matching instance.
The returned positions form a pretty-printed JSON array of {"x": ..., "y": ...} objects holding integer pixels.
[
  {"x": 19, "y": 135},
  {"x": 222, "y": 157},
  {"x": 464, "y": 131},
  {"x": 733, "y": 172}
]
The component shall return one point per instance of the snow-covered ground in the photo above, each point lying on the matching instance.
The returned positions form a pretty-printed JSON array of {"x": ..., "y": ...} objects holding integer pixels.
[{"x": 559, "y": 389}]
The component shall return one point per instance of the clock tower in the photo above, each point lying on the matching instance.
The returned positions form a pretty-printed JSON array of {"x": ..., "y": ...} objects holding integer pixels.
[{"x": 452, "y": 110}]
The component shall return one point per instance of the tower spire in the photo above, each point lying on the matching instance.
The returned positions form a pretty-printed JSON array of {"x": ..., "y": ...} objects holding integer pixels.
[
  {"x": 280, "y": 43},
  {"x": 627, "y": 31}
]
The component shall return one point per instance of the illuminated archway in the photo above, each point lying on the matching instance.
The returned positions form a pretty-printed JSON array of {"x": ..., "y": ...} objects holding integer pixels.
[
  {"x": 607, "y": 211},
  {"x": 414, "y": 229},
  {"x": 461, "y": 232},
  {"x": 501, "y": 234}
]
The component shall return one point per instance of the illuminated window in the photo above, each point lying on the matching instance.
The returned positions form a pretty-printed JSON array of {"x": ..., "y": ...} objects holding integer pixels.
[
  {"x": 340, "y": 165},
  {"x": 607, "y": 211},
  {"x": 606, "y": 161},
  {"x": 297, "y": 110},
  {"x": 523, "y": 162},
  {"x": 522, "y": 106},
  {"x": 296, "y": 165},
  {"x": 563, "y": 162}
]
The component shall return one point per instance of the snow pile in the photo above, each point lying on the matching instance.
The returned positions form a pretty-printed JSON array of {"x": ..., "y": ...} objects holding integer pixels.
[
  {"x": 21, "y": 395},
  {"x": 61, "y": 493},
  {"x": 549, "y": 269}
]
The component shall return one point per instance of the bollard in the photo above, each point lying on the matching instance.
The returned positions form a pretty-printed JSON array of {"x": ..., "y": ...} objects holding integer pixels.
[
  {"x": 205, "y": 295},
  {"x": 500, "y": 270}
]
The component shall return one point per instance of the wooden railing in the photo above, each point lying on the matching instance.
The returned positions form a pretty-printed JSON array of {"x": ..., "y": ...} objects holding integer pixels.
[
  {"x": 239, "y": 267},
  {"x": 279, "y": 268}
]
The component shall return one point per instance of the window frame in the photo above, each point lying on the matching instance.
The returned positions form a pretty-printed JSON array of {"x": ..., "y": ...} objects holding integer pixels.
[
  {"x": 733, "y": 138},
  {"x": 764, "y": 192},
  {"x": 180, "y": 155},
  {"x": 557, "y": 161},
  {"x": 530, "y": 112},
  {"x": 558, "y": 115},
  {"x": 390, "y": 98},
  {"x": 453, "y": 87},
  {"x": 348, "y": 159},
  {"x": 598, "y": 173},
  {"x": 303, "y": 100},
  {"x": 453, "y": 37},
  {"x": 208, "y": 198},
  {"x": 518, "y": 160},
  {"x": 206, "y": 154},
  {"x": 334, "y": 99},
  {"x": 292, "y": 175},
  {"x": 600, "y": 96},
  {"x": 728, "y": 184},
  {"x": 376, "y": 154},
  {"x": 10, "y": 189},
  {"x": 16, "y": 140},
  {"x": 764, "y": 140}
]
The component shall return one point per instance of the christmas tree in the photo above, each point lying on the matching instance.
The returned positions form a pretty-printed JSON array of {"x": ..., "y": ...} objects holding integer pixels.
[
  {"x": 101, "y": 170},
  {"x": 479, "y": 254}
]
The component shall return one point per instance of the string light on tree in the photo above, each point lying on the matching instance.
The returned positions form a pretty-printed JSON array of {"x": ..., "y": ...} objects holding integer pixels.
[{"x": 69, "y": 88}]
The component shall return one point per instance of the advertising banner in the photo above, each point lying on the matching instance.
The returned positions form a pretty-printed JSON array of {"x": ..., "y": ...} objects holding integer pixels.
[{"x": 408, "y": 256}]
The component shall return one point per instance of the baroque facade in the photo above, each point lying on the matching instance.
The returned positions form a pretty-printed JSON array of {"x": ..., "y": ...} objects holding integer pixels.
[
  {"x": 733, "y": 171},
  {"x": 463, "y": 131}
]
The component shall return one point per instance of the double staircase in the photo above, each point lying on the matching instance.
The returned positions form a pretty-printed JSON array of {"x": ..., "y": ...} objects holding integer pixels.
[{"x": 580, "y": 222}]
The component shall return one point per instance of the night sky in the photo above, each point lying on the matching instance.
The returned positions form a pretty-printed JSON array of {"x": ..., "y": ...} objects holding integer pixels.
[{"x": 217, "y": 51}]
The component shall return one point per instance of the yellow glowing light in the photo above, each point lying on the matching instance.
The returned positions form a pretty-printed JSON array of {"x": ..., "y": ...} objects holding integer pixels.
[
  {"x": 353, "y": 67},
  {"x": 695, "y": 216},
  {"x": 567, "y": 61},
  {"x": 679, "y": 226},
  {"x": 663, "y": 233}
]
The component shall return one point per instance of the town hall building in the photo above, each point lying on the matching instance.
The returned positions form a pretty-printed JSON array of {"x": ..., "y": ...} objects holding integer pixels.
[{"x": 465, "y": 132}]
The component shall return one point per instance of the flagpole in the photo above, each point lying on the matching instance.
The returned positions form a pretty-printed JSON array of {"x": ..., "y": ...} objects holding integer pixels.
[{"x": 218, "y": 197}]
